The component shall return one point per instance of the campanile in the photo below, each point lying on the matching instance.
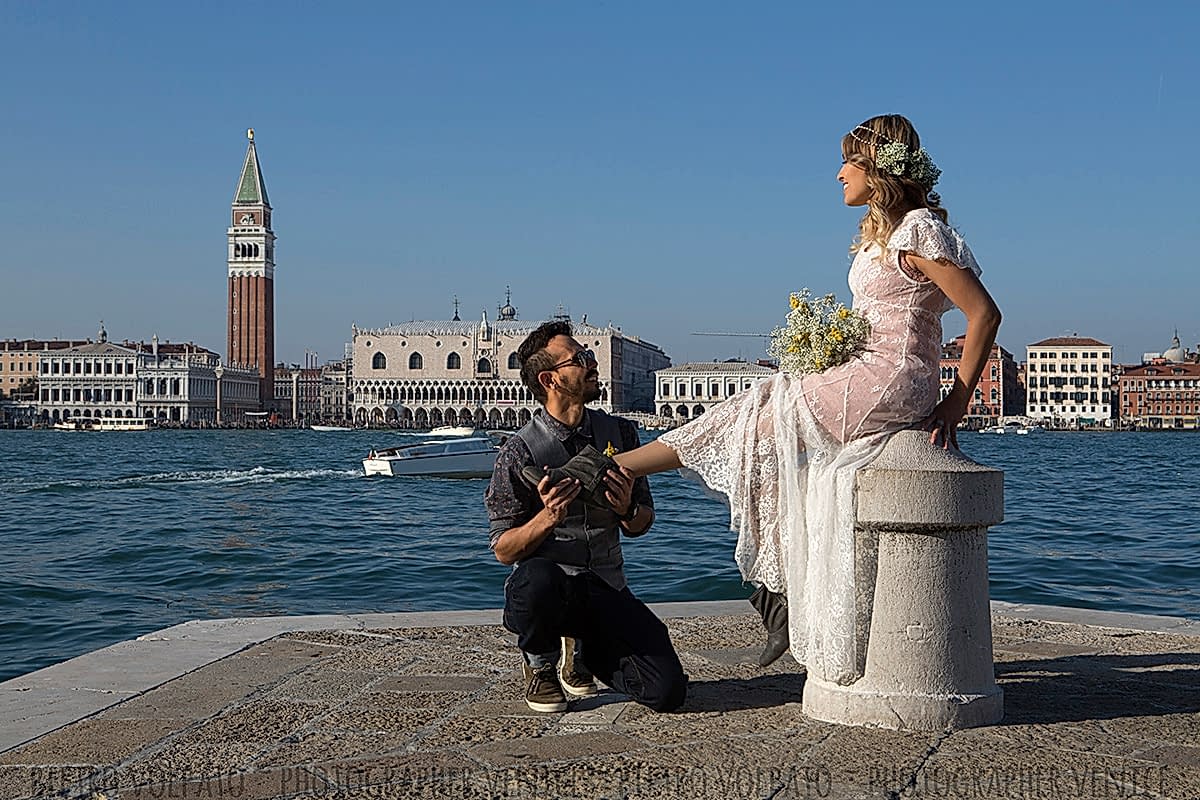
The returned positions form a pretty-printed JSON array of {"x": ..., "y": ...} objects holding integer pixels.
[{"x": 252, "y": 278}]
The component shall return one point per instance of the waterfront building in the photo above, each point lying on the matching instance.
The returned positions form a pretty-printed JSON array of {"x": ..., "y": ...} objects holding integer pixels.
[
  {"x": 1069, "y": 381},
  {"x": 175, "y": 383},
  {"x": 1162, "y": 392},
  {"x": 19, "y": 364},
  {"x": 430, "y": 373},
  {"x": 335, "y": 383},
  {"x": 998, "y": 392},
  {"x": 251, "y": 270},
  {"x": 1160, "y": 395},
  {"x": 686, "y": 391},
  {"x": 298, "y": 392}
]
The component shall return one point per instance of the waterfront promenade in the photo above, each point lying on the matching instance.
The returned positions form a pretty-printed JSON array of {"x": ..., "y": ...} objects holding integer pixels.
[{"x": 1098, "y": 704}]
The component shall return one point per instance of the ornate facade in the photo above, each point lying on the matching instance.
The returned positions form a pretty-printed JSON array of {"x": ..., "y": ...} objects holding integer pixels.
[
  {"x": 998, "y": 393},
  {"x": 689, "y": 390},
  {"x": 425, "y": 374}
]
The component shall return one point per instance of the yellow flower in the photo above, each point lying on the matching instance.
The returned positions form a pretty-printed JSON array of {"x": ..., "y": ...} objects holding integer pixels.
[
  {"x": 843, "y": 313},
  {"x": 819, "y": 364},
  {"x": 835, "y": 334},
  {"x": 794, "y": 300}
]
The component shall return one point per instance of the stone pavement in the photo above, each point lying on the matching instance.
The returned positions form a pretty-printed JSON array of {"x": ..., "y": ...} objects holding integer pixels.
[{"x": 1096, "y": 707}]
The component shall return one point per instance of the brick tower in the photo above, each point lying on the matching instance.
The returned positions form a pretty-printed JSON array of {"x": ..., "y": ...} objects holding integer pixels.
[{"x": 252, "y": 278}]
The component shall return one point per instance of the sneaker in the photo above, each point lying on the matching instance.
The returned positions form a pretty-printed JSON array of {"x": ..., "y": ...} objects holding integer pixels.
[
  {"x": 542, "y": 692},
  {"x": 575, "y": 678}
]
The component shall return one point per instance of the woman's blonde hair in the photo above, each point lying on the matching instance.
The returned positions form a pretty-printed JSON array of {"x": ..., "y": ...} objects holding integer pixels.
[{"x": 891, "y": 195}]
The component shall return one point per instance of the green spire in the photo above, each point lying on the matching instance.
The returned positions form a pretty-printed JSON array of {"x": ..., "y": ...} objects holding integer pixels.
[{"x": 251, "y": 188}]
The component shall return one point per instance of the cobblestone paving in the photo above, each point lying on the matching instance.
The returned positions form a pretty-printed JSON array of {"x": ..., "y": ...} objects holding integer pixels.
[{"x": 436, "y": 712}]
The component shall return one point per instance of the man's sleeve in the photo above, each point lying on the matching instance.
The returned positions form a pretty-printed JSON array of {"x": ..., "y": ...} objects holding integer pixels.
[{"x": 509, "y": 500}]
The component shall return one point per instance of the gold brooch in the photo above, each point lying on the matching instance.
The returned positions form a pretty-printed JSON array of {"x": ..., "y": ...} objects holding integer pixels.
[{"x": 610, "y": 451}]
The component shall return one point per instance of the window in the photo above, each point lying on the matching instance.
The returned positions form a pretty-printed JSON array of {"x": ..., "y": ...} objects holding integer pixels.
[
  {"x": 666, "y": 390},
  {"x": 379, "y": 361},
  {"x": 416, "y": 362},
  {"x": 513, "y": 361},
  {"x": 484, "y": 367},
  {"x": 453, "y": 361}
]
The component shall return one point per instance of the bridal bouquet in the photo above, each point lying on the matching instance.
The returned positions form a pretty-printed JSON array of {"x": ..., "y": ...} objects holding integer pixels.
[{"x": 818, "y": 333}]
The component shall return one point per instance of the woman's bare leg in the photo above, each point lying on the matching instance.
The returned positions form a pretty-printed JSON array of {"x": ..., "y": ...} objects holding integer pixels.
[{"x": 648, "y": 459}]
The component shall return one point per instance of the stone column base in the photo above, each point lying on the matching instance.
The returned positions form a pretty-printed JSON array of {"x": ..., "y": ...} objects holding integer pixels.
[{"x": 859, "y": 705}]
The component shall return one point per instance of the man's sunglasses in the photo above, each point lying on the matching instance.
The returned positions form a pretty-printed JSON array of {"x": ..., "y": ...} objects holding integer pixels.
[{"x": 580, "y": 358}]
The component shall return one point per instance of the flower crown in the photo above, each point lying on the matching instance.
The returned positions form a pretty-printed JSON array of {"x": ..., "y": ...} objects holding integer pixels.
[{"x": 895, "y": 158}]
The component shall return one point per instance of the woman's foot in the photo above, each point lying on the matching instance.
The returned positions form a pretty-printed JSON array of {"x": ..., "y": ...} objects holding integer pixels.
[{"x": 773, "y": 608}]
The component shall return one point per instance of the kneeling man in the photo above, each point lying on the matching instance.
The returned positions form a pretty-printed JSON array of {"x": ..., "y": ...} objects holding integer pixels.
[{"x": 557, "y": 509}]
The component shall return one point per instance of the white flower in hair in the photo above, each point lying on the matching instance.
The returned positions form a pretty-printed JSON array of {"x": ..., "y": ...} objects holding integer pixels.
[{"x": 896, "y": 159}]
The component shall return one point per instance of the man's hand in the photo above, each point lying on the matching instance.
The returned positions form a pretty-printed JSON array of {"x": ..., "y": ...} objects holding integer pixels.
[
  {"x": 557, "y": 497},
  {"x": 620, "y": 490}
]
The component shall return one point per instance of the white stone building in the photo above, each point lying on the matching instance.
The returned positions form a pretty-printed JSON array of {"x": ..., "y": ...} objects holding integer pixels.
[
  {"x": 1069, "y": 381},
  {"x": 165, "y": 382},
  {"x": 425, "y": 374},
  {"x": 688, "y": 390}
]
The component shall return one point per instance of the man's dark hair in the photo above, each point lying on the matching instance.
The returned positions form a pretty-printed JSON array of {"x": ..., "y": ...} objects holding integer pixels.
[{"x": 533, "y": 356}]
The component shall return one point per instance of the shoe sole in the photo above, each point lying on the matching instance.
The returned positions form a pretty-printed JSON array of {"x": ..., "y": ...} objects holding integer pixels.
[
  {"x": 547, "y": 708},
  {"x": 577, "y": 691}
]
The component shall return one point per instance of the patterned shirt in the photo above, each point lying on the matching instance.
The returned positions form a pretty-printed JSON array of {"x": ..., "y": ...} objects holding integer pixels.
[{"x": 511, "y": 502}]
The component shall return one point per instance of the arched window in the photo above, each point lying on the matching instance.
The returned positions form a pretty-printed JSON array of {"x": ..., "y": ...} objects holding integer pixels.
[
  {"x": 484, "y": 366},
  {"x": 379, "y": 361},
  {"x": 513, "y": 361},
  {"x": 453, "y": 361},
  {"x": 416, "y": 362}
]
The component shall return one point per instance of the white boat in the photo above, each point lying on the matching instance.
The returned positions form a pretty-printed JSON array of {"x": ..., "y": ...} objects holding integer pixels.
[
  {"x": 122, "y": 424},
  {"x": 327, "y": 428},
  {"x": 471, "y": 457},
  {"x": 1001, "y": 429},
  {"x": 451, "y": 430},
  {"x": 1025, "y": 430},
  {"x": 72, "y": 425}
]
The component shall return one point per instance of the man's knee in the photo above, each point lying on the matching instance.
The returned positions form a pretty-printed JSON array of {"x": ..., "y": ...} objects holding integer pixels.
[
  {"x": 667, "y": 693},
  {"x": 535, "y": 579}
]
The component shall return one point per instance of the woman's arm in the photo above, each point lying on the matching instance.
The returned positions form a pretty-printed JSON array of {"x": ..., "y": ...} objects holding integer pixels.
[{"x": 963, "y": 288}]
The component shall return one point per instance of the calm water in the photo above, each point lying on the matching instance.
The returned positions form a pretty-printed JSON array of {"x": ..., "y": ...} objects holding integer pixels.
[{"x": 111, "y": 535}]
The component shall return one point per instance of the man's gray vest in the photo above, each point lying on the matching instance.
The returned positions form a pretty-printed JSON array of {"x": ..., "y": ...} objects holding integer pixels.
[{"x": 589, "y": 538}]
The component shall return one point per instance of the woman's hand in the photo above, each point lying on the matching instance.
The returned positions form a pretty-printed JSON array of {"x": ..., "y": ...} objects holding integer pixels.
[{"x": 943, "y": 422}]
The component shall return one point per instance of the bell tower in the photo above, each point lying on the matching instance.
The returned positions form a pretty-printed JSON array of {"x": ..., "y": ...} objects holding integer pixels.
[{"x": 251, "y": 323}]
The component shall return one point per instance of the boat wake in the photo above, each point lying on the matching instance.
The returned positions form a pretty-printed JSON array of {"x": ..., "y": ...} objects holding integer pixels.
[{"x": 227, "y": 477}]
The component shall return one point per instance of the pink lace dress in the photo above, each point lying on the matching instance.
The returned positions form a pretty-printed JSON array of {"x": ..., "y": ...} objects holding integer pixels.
[{"x": 784, "y": 452}]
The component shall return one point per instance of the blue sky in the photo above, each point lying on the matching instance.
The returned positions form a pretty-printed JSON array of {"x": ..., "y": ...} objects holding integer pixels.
[{"x": 668, "y": 167}]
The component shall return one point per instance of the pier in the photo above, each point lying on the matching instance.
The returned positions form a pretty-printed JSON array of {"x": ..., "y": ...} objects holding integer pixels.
[{"x": 1097, "y": 704}]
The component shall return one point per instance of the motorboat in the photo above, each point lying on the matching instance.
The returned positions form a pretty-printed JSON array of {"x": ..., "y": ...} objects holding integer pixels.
[
  {"x": 1001, "y": 429},
  {"x": 328, "y": 428},
  {"x": 1025, "y": 430},
  {"x": 470, "y": 457},
  {"x": 451, "y": 430},
  {"x": 72, "y": 425}
]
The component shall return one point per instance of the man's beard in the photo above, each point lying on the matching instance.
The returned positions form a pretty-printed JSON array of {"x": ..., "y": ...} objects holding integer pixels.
[{"x": 584, "y": 389}]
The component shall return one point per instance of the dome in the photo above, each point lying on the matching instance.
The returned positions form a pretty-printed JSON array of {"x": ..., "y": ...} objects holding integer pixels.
[{"x": 1175, "y": 353}]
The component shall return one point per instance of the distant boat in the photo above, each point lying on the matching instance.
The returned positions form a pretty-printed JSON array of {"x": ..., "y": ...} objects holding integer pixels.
[
  {"x": 1025, "y": 430},
  {"x": 451, "y": 430},
  {"x": 72, "y": 425},
  {"x": 327, "y": 428},
  {"x": 1010, "y": 428},
  {"x": 471, "y": 457},
  {"x": 122, "y": 424}
]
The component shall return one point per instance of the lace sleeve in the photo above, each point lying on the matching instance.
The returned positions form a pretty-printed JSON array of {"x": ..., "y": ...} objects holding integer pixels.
[{"x": 923, "y": 234}]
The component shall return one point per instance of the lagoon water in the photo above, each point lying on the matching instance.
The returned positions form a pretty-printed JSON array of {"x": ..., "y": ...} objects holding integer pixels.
[{"x": 111, "y": 535}]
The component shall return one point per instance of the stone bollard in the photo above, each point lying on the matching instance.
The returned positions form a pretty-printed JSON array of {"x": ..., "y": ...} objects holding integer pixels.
[{"x": 922, "y": 594}]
